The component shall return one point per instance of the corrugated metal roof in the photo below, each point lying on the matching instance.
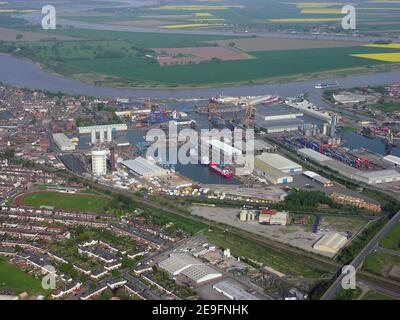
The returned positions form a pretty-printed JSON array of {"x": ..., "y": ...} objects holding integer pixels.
[
  {"x": 234, "y": 291},
  {"x": 143, "y": 167},
  {"x": 278, "y": 161},
  {"x": 312, "y": 154},
  {"x": 392, "y": 159}
]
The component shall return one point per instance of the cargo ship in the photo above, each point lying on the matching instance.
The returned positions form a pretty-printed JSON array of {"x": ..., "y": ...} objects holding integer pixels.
[
  {"x": 272, "y": 100},
  {"x": 222, "y": 171},
  {"x": 326, "y": 85}
]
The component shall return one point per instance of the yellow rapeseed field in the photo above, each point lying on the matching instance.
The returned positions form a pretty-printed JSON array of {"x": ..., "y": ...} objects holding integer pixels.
[
  {"x": 203, "y": 14},
  {"x": 390, "y": 45},
  {"x": 303, "y": 20},
  {"x": 387, "y": 57},
  {"x": 320, "y": 11},
  {"x": 197, "y": 7},
  {"x": 191, "y": 25}
]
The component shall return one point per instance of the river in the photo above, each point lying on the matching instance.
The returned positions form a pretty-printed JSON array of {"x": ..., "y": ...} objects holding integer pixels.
[{"x": 25, "y": 73}]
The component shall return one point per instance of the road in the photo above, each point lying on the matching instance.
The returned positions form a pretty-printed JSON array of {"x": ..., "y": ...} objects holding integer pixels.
[{"x": 358, "y": 260}]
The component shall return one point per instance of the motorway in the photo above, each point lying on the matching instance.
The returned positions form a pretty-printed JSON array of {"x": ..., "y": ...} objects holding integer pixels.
[{"x": 358, "y": 260}]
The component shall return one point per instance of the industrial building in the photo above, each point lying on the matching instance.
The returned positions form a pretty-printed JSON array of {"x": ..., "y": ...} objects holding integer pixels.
[
  {"x": 313, "y": 155},
  {"x": 378, "y": 177},
  {"x": 63, "y": 142},
  {"x": 330, "y": 243},
  {"x": 392, "y": 160},
  {"x": 279, "y": 126},
  {"x": 318, "y": 178},
  {"x": 192, "y": 268},
  {"x": 232, "y": 291},
  {"x": 99, "y": 162},
  {"x": 278, "y": 162},
  {"x": 272, "y": 174},
  {"x": 278, "y": 112},
  {"x": 261, "y": 146},
  {"x": 273, "y": 217},
  {"x": 144, "y": 168},
  {"x": 348, "y": 97},
  {"x": 102, "y": 131},
  {"x": 331, "y": 163}
]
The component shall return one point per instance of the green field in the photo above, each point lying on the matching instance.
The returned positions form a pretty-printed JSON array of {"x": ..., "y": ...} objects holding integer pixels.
[
  {"x": 126, "y": 59},
  {"x": 392, "y": 240},
  {"x": 380, "y": 263},
  {"x": 371, "y": 295},
  {"x": 67, "y": 201},
  {"x": 18, "y": 281},
  {"x": 349, "y": 294},
  {"x": 122, "y": 62}
]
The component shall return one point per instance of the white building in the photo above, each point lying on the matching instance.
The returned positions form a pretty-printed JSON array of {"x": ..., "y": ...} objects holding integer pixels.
[
  {"x": 99, "y": 162},
  {"x": 378, "y": 177},
  {"x": 233, "y": 291},
  {"x": 63, "y": 142},
  {"x": 393, "y": 160},
  {"x": 194, "y": 269},
  {"x": 279, "y": 162},
  {"x": 145, "y": 168},
  {"x": 330, "y": 243}
]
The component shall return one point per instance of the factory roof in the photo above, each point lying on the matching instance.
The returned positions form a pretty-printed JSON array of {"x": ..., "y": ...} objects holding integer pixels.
[
  {"x": 317, "y": 177},
  {"x": 177, "y": 262},
  {"x": 201, "y": 273},
  {"x": 194, "y": 269},
  {"x": 63, "y": 141},
  {"x": 379, "y": 174},
  {"x": 144, "y": 167},
  {"x": 314, "y": 155},
  {"x": 277, "y": 161},
  {"x": 233, "y": 291},
  {"x": 392, "y": 159},
  {"x": 331, "y": 242}
]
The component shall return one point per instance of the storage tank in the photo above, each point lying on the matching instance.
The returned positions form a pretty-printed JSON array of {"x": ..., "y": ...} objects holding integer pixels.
[
  {"x": 325, "y": 128},
  {"x": 243, "y": 215}
]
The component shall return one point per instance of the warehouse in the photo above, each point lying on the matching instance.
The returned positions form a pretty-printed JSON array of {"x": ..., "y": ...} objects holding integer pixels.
[
  {"x": 313, "y": 155},
  {"x": 63, "y": 142},
  {"x": 278, "y": 162},
  {"x": 333, "y": 164},
  {"x": 273, "y": 175},
  {"x": 279, "y": 126},
  {"x": 377, "y": 177},
  {"x": 144, "y": 168},
  {"x": 393, "y": 160},
  {"x": 261, "y": 146},
  {"x": 330, "y": 243},
  {"x": 318, "y": 178},
  {"x": 192, "y": 268},
  {"x": 273, "y": 217},
  {"x": 232, "y": 291}
]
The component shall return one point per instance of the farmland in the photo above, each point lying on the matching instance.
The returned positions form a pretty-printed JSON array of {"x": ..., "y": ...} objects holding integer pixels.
[
  {"x": 127, "y": 59},
  {"x": 173, "y": 56}
]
